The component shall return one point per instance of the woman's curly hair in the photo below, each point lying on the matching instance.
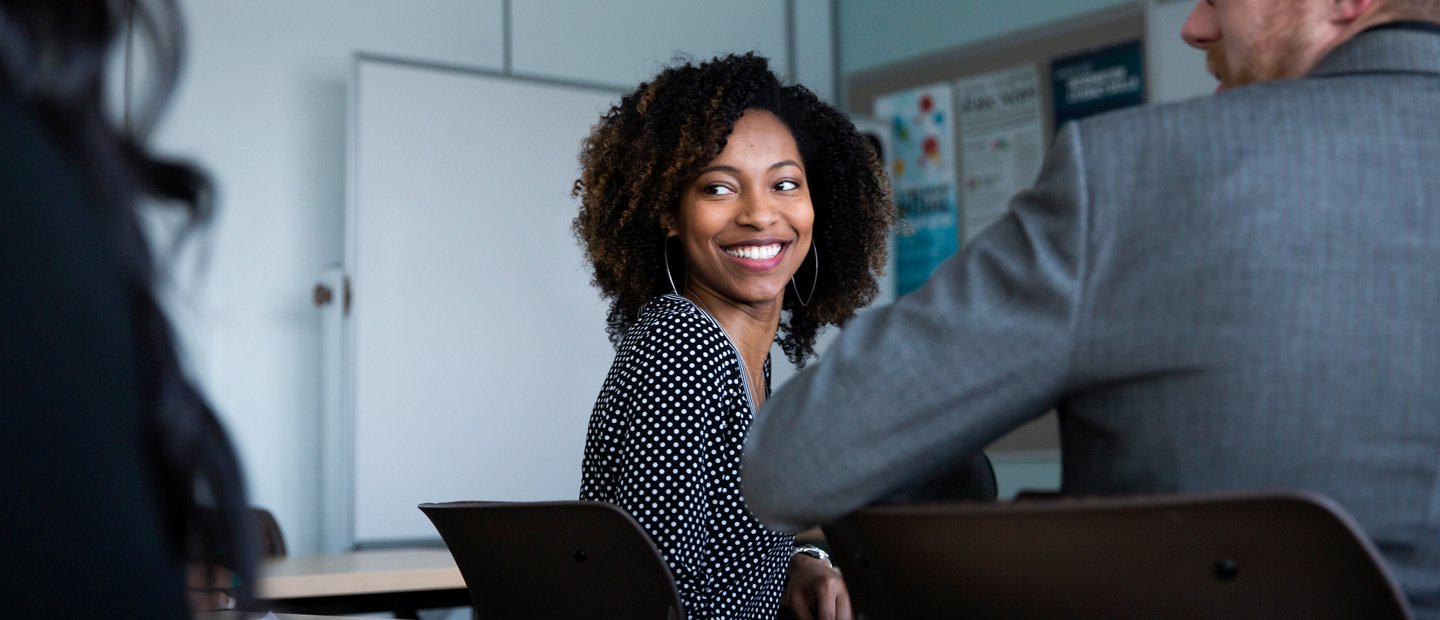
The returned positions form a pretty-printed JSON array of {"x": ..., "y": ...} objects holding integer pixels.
[{"x": 649, "y": 147}]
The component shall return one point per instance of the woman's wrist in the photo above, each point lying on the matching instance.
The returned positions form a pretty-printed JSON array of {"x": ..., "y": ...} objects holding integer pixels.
[{"x": 811, "y": 551}]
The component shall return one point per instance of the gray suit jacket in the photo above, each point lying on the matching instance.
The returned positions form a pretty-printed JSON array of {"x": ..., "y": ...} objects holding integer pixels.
[{"x": 1235, "y": 292}]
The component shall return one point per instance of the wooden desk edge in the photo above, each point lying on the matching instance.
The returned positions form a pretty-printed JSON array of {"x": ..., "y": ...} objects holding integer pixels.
[
  {"x": 353, "y": 583},
  {"x": 365, "y": 572}
]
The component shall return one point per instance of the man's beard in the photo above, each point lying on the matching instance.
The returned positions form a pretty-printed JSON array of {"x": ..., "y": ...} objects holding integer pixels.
[
  {"x": 1278, "y": 57},
  {"x": 1219, "y": 66}
]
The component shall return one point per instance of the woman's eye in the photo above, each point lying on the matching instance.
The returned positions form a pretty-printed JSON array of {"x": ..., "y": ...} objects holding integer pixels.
[
  {"x": 787, "y": 185},
  {"x": 717, "y": 190}
]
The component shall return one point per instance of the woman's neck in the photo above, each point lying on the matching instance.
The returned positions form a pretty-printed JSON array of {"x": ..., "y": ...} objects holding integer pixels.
[{"x": 751, "y": 327}]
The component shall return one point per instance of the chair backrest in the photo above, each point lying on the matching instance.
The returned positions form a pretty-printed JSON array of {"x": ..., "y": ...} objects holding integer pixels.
[
  {"x": 1213, "y": 556},
  {"x": 973, "y": 478},
  {"x": 267, "y": 530},
  {"x": 568, "y": 559}
]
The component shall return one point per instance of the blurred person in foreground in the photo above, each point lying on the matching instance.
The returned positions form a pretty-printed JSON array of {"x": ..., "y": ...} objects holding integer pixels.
[
  {"x": 1236, "y": 292},
  {"x": 117, "y": 474}
]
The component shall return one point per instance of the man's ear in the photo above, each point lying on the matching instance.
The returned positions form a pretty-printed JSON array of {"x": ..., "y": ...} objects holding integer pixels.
[{"x": 1346, "y": 12}]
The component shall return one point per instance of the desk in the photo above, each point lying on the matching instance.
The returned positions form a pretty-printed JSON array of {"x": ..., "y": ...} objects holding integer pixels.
[
  {"x": 398, "y": 580},
  {"x": 256, "y": 615}
]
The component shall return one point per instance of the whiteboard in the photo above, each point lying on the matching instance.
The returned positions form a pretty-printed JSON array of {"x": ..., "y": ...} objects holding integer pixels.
[{"x": 475, "y": 344}]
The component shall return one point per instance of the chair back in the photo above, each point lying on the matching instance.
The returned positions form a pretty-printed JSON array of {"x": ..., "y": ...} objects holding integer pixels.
[
  {"x": 1286, "y": 555},
  {"x": 566, "y": 559},
  {"x": 267, "y": 530}
]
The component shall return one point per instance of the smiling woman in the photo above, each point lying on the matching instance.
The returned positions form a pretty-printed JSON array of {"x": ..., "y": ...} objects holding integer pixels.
[
  {"x": 647, "y": 149},
  {"x": 745, "y": 226},
  {"x": 705, "y": 197}
]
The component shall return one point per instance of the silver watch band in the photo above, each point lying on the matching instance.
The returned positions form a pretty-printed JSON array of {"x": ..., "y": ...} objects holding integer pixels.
[{"x": 812, "y": 551}]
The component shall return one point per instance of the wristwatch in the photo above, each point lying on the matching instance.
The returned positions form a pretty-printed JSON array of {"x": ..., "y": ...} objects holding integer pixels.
[{"x": 812, "y": 551}]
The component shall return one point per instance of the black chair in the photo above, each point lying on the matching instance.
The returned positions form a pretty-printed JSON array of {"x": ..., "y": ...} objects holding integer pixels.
[
  {"x": 971, "y": 479},
  {"x": 1287, "y": 555},
  {"x": 569, "y": 559},
  {"x": 267, "y": 530}
]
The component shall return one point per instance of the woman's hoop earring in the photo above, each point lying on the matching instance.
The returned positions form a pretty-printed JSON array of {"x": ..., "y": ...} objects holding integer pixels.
[
  {"x": 815, "y": 254},
  {"x": 665, "y": 251}
]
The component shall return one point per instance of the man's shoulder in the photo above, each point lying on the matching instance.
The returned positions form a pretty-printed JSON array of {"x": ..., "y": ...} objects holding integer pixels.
[
  {"x": 1230, "y": 107},
  {"x": 1275, "y": 119},
  {"x": 1240, "y": 111}
]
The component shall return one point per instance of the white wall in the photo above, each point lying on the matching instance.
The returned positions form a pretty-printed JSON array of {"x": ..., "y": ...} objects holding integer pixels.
[
  {"x": 262, "y": 105},
  {"x": 874, "y": 34}
]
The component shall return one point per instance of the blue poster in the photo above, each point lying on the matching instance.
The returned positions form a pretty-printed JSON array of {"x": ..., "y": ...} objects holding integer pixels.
[
  {"x": 1100, "y": 81},
  {"x": 923, "y": 176}
]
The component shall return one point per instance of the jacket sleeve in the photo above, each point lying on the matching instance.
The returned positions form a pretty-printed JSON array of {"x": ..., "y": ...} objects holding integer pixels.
[{"x": 909, "y": 390}]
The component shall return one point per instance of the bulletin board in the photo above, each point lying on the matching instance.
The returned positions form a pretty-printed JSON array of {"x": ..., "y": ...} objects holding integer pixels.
[{"x": 1037, "y": 48}]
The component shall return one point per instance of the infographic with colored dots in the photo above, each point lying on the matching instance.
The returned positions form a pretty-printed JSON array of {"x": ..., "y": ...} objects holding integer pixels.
[{"x": 923, "y": 175}]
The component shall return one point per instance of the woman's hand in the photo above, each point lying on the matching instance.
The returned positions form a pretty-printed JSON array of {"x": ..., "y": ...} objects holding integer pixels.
[
  {"x": 815, "y": 590},
  {"x": 207, "y": 587}
]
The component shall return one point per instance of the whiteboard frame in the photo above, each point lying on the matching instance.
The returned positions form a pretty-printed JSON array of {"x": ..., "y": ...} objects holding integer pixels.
[{"x": 338, "y": 464}]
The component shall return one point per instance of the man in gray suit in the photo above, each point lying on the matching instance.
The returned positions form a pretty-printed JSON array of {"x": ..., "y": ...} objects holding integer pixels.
[{"x": 1234, "y": 292}]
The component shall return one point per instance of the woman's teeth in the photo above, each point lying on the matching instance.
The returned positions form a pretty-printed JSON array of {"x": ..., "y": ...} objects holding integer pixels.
[{"x": 755, "y": 252}]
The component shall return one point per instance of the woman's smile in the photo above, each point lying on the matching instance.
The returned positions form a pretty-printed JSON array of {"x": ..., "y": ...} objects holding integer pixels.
[{"x": 758, "y": 256}]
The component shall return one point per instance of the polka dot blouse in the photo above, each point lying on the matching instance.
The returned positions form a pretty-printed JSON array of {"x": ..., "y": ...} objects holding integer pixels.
[{"x": 664, "y": 443}]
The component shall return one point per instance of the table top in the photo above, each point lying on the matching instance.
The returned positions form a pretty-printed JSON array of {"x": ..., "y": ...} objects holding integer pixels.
[
  {"x": 359, "y": 572},
  {"x": 257, "y": 615}
]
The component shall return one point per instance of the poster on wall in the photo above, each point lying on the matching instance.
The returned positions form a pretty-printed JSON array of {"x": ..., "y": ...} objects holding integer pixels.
[
  {"x": 1002, "y": 141},
  {"x": 922, "y": 173},
  {"x": 1099, "y": 81}
]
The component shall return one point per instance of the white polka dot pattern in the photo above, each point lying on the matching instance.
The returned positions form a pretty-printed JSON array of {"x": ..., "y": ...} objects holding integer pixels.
[{"x": 664, "y": 444}]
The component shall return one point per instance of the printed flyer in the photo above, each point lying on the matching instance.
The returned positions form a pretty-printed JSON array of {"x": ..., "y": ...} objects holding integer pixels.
[
  {"x": 923, "y": 176},
  {"x": 1002, "y": 141}
]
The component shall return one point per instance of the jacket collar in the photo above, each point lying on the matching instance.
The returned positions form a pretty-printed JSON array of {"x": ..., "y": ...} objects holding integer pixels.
[{"x": 1402, "y": 47}]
